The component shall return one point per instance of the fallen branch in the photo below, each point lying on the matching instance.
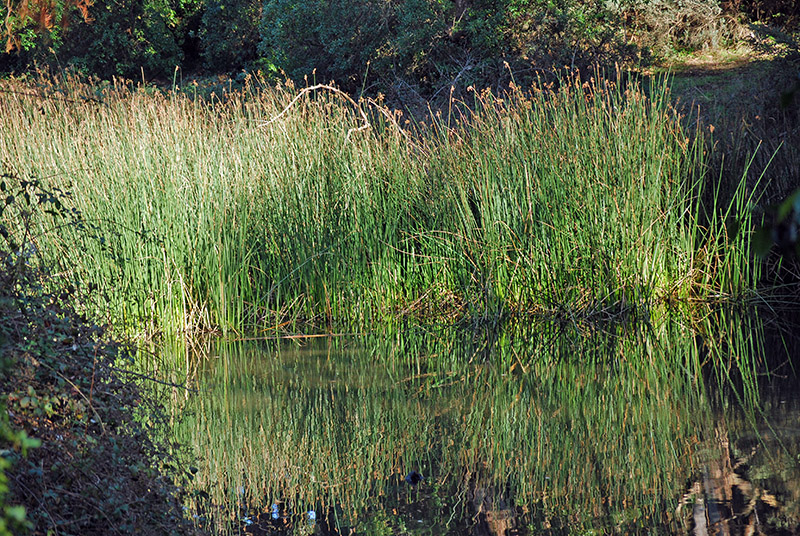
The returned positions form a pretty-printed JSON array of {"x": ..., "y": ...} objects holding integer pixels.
[{"x": 336, "y": 91}]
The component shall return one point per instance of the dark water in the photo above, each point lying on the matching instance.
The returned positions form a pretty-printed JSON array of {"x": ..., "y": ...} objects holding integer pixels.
[{"x": 540, "y": 429}]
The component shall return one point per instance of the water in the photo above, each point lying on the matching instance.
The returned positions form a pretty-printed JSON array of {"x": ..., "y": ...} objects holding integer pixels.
[{"x": 541, "y": 429}]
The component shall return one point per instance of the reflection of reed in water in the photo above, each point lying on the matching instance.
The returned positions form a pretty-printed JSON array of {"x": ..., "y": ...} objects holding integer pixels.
[
  {"x": 494, "y": 516},
  {"x": 723, "y": 500},
  {"x": 551, "y": 430},
  {"x": 747, "y": 471}
]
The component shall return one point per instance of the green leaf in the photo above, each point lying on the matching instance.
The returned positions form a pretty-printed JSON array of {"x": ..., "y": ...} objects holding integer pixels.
[
  {"x": 791, "y": 203},
  {"x": 17, "y": 513},
  {"x": 761, "y": 241}
]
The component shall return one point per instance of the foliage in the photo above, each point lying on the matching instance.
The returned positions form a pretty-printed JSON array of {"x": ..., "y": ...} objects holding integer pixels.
[
  {"x": 102, "y": 37},
  {"x": 33, "y": 29},
  {"x": 12, "y": 517},
  {"x": 433, "y": 44},
  {"x": 30, "y": 24},
  {"x": 422, "y": 46},
  {"x": 229, "y": 33},
  {"x": 332, "y": 40},
  {"x": 126, "y": 38},
  {"x": 578, "y": 34},
  {"x": 667, "y": 27},
  {"x": 785, "y": 13},
  {"x": 62, "y": 387}
]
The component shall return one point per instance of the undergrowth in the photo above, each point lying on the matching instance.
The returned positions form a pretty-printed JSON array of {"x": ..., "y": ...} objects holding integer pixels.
[{"x": 77, "y": 448}]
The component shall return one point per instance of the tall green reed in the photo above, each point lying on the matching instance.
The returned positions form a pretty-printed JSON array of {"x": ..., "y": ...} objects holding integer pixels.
[{"x": 257, "y": 210}]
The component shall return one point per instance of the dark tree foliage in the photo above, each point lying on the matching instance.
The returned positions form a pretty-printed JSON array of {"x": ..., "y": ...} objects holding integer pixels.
[
  {"x": 32, "y": 29},
  {"x": 27, "y": 24},
  {"x": 784, "y": 13},
  {"x": 103, "y": 37},
  {"x": 333, "y": 40},
  {"x": 436, "y": 43},
  {"x": 229, "y": 33},
  {"x": 125, "y": 37},
  {"x": 187, "y": 18}
]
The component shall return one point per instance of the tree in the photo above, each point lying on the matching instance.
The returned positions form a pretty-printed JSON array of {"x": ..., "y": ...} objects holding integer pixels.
[
  {"x": 229, "y": 33},
  {"x": 124, "y": 38},
  {"x": 30, "y": 28}
]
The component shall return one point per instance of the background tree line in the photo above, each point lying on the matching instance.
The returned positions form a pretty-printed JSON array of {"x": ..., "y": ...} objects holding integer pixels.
[{"x": 425, "y": 45}]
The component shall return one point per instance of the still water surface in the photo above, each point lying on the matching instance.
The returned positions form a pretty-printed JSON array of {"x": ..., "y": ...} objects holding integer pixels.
[{"x": 544, "y": 429}]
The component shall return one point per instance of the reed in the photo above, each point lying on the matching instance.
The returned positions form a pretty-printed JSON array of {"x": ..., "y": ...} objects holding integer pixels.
[{"x": 256, "y": 210}]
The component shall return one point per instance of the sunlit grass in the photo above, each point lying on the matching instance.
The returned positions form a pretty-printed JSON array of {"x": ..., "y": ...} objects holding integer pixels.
[{"x": 228, "y": 214}]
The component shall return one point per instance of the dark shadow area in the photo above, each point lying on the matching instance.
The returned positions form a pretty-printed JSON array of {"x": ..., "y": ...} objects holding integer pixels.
[{"x": 749, "y": 110}]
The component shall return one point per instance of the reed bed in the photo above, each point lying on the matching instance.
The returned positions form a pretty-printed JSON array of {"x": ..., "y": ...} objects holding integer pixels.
[{"x": 258, "y": 210}]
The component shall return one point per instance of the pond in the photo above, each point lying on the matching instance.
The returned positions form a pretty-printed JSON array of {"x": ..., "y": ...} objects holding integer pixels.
[{"x": 669, "y": 427}]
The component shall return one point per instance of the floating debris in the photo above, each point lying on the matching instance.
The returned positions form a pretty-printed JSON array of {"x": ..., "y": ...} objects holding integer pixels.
[{"x": 413, "y": 478}]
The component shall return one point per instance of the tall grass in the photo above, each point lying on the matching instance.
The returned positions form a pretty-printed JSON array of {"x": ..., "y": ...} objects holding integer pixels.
[{"x": 257, "y": 211}]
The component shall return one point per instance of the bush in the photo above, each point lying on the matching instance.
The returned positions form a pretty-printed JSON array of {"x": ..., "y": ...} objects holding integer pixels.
[
  {"x": 32, "y": 31},
  {"x": 104, "y": 38},
  {"x": 229, "y": 33},
  {"x": 124, "y": 38},
  {"x": 63, "y": 388},
  {"x": 433, "y": 44},
  {"x": 330, "y": 40},
  {"x": 669, "y": 26},
  {"x": 784, "y": 13},
  {"x": 568, "y": 32}
]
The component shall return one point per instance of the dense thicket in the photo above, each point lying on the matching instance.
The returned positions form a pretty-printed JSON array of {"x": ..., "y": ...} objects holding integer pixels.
[
  {"x": 424, "y": 45},
  {"x": 77, "y": 450}
]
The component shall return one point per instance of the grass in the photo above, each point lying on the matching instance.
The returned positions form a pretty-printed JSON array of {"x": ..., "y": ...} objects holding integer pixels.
[{"x": 259, "y": 211}]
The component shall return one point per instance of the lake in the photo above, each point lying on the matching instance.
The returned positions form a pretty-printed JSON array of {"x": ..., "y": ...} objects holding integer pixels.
[{"x": 670, "y": 427}]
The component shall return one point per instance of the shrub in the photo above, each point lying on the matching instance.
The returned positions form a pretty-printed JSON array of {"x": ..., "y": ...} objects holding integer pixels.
[
  {"x": 104, "y": 37},
  {"x": 62, "y": 387},
  {"x": 31, "y": 30},
  {"x": 125, "y": 37},
  {"x": 334, "y": 40},
  {"x": 669, "y": 26},
  {"x": 785, "y": 13},
  {"x": 433, "y": 44},
  {"x": 229, "y": 33}
]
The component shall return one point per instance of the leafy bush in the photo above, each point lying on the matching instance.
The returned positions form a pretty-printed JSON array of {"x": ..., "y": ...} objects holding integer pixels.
[
  {"x": 785, "y": 13},
  {"x": 63, "y": 388},
  {"x": 433, "y": 44},
  {"x": 669, "y": 26},
  {"x": 33, "y": 30},
  {"x": 104, "y": 37},
  {"x": 124, "y": 38},
  {"x": 568, "y": 32},
  {"x": 229, "y": 33},
  {"x": 13, "y": 517},
  {"x": 329, "y": 39}
]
